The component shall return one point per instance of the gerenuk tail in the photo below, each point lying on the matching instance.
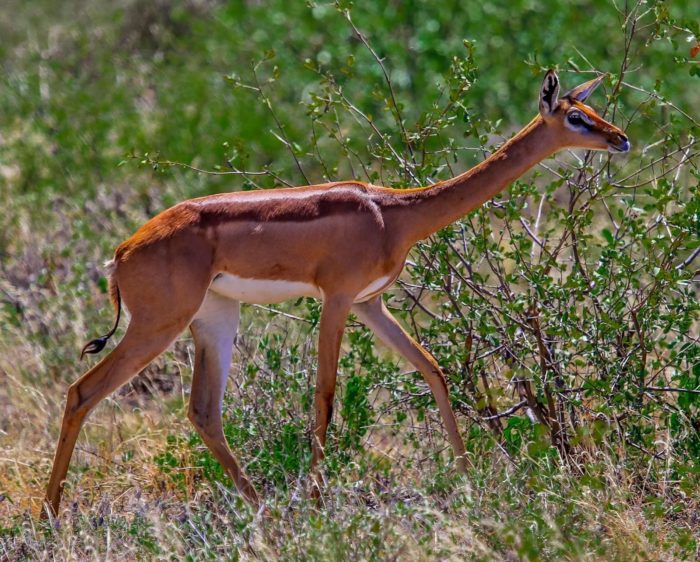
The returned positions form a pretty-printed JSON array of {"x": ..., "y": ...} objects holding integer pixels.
[{"x": 98, "y": 344}]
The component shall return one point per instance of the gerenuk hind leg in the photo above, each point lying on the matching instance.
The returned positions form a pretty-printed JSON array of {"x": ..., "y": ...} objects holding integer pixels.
[
  {"x": 159, "y": 315},
  {"x": 214, "y": 330}
]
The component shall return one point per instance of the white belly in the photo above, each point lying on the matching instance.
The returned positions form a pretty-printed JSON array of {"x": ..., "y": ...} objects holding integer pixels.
[
  {"x": 261, "y": 291},
  {"x": 269, "y": 291},
  {"x": 375, "y": 287}
]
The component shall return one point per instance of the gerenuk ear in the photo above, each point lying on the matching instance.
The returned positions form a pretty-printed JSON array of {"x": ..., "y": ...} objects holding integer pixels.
[
  {"x": 549, "y": 93},
  {"x": 581, "y": 93}
]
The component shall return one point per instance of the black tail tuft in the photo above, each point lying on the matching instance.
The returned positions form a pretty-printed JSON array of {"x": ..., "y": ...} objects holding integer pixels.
[
  {"x": 94, "y": 346},
  {"x": 98, "y": 344}
]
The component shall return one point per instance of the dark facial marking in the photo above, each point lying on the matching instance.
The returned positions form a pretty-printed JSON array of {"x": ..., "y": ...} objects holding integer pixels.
[{"x": 577, "y": 120}]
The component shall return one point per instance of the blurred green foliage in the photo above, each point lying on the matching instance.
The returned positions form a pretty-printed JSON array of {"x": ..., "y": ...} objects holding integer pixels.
[{"x": 570, "y": 300}]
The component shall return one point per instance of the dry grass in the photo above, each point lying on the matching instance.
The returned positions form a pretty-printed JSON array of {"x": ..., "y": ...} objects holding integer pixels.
[{"x": 120, "y": 503}]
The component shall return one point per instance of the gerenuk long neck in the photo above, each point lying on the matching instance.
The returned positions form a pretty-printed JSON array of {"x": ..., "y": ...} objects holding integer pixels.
[{"x": 437, "y": 206}]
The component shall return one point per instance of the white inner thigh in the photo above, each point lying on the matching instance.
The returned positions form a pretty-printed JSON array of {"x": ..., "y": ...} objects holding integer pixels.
[{"x": 216, "y": 323}]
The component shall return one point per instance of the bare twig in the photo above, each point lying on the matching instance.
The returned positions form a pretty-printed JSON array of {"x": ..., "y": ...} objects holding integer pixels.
[
  {"x": 387, "y": 79},
  {"x": 509, "y": 412},
  {"x": 672, "y": 389}
]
